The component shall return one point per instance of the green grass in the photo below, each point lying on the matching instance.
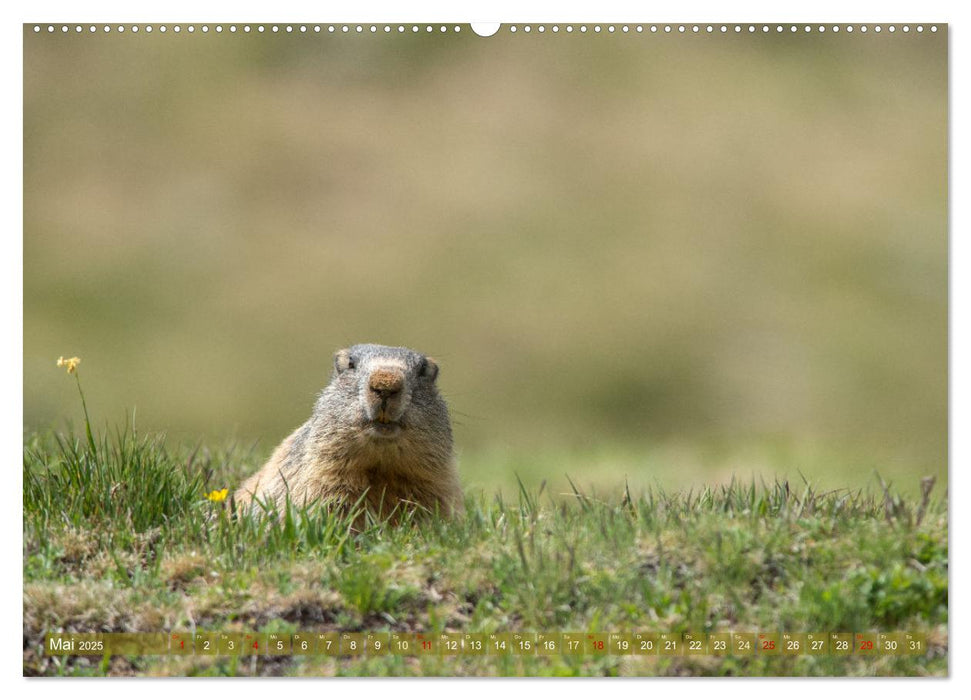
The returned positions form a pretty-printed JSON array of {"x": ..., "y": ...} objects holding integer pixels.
[{"x": 118, "y": 536}]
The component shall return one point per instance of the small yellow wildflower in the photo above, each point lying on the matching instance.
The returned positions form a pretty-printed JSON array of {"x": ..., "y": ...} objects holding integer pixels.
[
  {"x": 217, "y": 496},
  {"x": 71, "y": 363}
]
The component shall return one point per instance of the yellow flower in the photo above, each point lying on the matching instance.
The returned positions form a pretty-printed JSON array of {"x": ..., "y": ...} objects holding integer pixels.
[
  {"x": 217, "y": 496},
  {"x": 71, "y": 363}
]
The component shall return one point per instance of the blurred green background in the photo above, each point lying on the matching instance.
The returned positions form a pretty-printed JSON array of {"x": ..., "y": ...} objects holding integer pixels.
[{"x": 670, "y": 258}]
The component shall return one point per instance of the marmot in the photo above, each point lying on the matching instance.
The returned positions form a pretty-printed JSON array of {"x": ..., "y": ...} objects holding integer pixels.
[{"x": 379, "y": 430}]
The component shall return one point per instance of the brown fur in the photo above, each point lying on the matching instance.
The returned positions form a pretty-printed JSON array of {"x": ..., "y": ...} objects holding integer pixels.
[{"x": 335, "y": 459}]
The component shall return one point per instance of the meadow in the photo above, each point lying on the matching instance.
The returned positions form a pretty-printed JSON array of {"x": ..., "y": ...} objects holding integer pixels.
[
  {"x": 124, "y": 534},
  {"x": 726, "y": 253},
  {"x": 688, "y": 293}
]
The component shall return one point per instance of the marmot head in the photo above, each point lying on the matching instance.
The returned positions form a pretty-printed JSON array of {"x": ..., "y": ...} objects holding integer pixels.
[{"x": 385, "y": 395}]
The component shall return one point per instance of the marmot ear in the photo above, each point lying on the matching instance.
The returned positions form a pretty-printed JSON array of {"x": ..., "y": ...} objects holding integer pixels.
[
  {"x": 430, "y": 369},
  {"x": 343, "y": 361}
]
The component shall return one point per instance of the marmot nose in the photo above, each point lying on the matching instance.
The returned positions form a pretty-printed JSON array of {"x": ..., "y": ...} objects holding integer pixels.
[{"x": 386, "y": 382}]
